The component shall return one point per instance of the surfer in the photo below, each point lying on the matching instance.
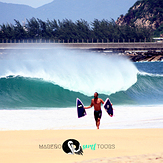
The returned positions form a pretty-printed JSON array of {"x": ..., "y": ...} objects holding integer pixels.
[{"x": 96, "y": 102}]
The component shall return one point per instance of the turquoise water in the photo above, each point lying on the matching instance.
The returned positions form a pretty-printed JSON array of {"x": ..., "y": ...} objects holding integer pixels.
[
  {"x": 56, "y": 78},
  {"x": 27, "y": 92},
  {"x": 38, "y": 90}
]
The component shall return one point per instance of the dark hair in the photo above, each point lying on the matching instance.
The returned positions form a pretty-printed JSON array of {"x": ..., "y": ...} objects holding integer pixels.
[{"x": 97, "y": 93}]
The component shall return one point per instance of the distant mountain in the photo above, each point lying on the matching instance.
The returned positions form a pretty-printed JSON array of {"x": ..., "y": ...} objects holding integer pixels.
[
  {"x": 9, "y": 12},
  {"x": 69, "y": 9},
  {"x": 144, "y": 12}
]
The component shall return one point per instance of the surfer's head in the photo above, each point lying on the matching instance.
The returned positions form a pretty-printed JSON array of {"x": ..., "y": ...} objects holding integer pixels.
[{"x": 95, "y": 95}]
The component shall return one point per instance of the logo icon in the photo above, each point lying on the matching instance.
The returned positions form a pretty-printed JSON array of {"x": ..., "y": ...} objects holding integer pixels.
[{"x": 72, "y": 146}]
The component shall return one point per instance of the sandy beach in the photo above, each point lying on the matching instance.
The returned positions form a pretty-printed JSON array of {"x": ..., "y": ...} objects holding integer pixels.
[{"x": 122, "y": 145}]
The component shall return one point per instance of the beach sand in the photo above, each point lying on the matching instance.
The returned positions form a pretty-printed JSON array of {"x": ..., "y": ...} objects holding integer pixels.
[{"x": 120, "y": 145}]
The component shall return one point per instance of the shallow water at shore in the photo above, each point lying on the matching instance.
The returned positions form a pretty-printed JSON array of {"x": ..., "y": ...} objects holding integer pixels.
[{"x": 125, "y": 117}]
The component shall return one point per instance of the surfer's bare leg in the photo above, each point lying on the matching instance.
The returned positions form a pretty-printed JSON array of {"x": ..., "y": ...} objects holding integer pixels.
[{"x": 98, "y": 123}]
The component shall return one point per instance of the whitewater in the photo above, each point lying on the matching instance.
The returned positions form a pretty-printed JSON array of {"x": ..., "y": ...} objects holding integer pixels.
[
  {"x": 38, "y": 90},
  {"x": 73, "y": 70}
]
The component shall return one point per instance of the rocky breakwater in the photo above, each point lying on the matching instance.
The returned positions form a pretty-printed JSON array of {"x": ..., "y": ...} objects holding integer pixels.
[{"x": 145, "y": 56}]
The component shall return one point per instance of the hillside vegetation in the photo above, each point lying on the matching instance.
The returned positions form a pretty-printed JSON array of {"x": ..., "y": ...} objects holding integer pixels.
[{"x": 148, "y": 13}]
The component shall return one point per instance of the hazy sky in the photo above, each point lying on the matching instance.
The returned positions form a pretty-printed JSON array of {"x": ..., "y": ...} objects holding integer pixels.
[{"x": 32, "y": 3}]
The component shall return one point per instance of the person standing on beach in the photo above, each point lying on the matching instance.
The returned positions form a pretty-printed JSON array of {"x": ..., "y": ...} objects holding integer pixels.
[{"x": 96, "y": 102}]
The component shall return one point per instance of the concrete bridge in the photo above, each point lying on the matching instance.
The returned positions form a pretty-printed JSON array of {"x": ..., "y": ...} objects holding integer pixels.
[{"x": 119, "y": 47}]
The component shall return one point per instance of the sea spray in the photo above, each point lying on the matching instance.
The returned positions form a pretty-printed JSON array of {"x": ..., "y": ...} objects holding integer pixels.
[{"x": 76, "y": 71}]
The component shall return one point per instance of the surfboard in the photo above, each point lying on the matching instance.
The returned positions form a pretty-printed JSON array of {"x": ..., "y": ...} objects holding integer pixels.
[
  {"x": 108, "y": 107},
  {"x": 80, "y": 108}
]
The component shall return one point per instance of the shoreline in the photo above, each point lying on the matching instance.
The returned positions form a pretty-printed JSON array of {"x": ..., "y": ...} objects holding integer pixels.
[
  {"x": 67, "y": 119},
  {"x": 144, "y": 56},
  {"x": 129, "y": 144}
]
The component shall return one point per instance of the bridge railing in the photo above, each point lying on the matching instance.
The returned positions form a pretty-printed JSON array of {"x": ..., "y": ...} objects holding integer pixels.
[
  {"x": 74, "y": 40},
  {"x": 83, "y": 44}
]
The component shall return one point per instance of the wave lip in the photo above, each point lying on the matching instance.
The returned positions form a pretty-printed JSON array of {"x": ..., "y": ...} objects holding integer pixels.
[
  {"x": 77, "y": 71},
  {"x": 17, "y": 91},
  {"x": 55, "y": 78}
]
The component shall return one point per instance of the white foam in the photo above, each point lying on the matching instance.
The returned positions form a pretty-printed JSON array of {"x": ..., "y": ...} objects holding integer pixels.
[
  {"x": 78, "y": 71},
  {"x": 125, "y": 117},
  {"x": 149, "y": 74}
]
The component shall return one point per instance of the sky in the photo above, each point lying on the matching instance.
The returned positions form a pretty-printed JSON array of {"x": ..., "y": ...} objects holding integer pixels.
[
  {"x": 32, "y": 3},
  {"x": 112, "y": 11}
]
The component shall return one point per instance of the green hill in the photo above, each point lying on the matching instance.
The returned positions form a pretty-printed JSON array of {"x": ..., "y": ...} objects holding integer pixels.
[{"x": 148, "y": 13}]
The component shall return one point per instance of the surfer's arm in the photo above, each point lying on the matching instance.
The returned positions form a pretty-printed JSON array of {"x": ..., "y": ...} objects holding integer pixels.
[
  {"x": 87, "y": 107},
  {"x": 102, "y": 101}
]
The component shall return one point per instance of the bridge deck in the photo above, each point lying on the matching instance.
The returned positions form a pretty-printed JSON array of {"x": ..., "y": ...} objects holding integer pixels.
[{"x": 87, "y": 46}]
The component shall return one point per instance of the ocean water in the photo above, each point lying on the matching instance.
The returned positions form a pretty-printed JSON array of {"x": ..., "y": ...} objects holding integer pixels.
[{"x": 38, "y": 90}]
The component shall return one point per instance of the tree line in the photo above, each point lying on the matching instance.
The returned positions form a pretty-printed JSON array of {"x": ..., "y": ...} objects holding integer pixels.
[{"x": 68, "y": 30}]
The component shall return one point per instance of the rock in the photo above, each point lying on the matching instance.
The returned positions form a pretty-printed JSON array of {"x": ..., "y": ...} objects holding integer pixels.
[{"x": 148, "y": 56}]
